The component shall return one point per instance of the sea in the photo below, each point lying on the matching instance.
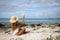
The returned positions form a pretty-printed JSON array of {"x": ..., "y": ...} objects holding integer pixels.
[{"x": 6, "y": 21}]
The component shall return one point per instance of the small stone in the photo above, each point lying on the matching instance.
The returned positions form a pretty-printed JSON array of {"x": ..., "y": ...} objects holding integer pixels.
[
  {"x": 12, "y": 39},
  {"x": 19, "y": 38}
]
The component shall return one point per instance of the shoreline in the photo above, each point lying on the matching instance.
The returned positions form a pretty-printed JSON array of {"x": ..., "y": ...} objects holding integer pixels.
[{"x": 26, "y": 24}]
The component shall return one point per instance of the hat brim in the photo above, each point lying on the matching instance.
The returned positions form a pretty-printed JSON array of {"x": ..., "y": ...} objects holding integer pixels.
[{"x": 13, "y": 21}]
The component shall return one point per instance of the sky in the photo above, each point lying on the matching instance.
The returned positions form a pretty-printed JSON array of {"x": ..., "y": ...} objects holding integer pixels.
[{"x": 31, "y": 8}]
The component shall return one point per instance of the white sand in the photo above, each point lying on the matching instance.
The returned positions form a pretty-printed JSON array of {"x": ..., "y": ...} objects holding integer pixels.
[{"x": 40, "y": 34}]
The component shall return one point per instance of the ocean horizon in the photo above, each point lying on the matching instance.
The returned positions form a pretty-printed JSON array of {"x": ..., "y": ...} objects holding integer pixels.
[{"x": 32, "y": 20}]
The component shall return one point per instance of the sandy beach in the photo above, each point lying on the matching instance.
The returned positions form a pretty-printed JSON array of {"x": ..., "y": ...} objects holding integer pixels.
[
  {"x": 29, "y": 19},
  {"x": 36, "y": 33}
]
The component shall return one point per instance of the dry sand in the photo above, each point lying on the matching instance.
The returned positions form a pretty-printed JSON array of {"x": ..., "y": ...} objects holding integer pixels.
[{"x": 39, "y": 34}]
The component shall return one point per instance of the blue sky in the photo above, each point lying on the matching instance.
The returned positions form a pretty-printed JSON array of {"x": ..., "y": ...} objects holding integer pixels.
[{"x": 31, "y": 8}]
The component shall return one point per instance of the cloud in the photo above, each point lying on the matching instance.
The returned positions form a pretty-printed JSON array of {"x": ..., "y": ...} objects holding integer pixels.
[
  {"x": 27, "y": 4},
  {"x": 48, "y": 13},
  {"x": 39, "y": 8}
]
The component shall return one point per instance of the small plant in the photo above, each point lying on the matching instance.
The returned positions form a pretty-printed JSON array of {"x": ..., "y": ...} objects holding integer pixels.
[
  {"x": 58, "y": 37},
  {"x": 52, "y": 38},
  {"x": 49, "y": 38}
]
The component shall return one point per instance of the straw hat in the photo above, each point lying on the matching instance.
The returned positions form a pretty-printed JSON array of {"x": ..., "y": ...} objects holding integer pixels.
[{"x": 13, "y": 19}]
